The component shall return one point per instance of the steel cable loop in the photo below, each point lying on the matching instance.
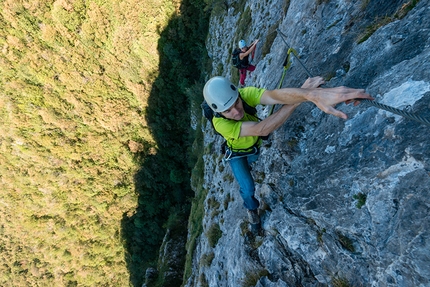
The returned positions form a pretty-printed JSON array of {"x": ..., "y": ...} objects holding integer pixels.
[{"x": 393, "y": 110}]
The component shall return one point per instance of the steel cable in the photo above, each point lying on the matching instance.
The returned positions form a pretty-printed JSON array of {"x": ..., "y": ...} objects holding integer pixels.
[{"x": 402, "y": 113}]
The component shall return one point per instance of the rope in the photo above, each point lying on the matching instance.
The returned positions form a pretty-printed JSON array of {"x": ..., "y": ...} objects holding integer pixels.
[{"x": 393, "y": 110}]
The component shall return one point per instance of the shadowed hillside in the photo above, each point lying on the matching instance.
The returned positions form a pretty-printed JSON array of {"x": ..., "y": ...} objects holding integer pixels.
[{"x": 163, "y": 181}]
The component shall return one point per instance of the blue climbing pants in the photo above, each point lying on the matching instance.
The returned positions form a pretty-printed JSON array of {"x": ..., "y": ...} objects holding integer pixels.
[{"x": 242, "y": 172}]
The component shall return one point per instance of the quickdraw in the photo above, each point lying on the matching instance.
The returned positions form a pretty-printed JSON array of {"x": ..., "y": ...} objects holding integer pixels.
[{"x": 287, "y": 65}]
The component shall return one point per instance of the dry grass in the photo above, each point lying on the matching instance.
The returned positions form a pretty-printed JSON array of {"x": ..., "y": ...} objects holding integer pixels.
[{"x": 75, "y": 81}]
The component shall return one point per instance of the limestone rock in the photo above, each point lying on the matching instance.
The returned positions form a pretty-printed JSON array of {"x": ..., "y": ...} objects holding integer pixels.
[{"x": 348, "y": 200}]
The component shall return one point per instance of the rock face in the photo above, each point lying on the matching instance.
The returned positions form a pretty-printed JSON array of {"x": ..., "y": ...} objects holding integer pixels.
[{"x": 346, "y": 201}]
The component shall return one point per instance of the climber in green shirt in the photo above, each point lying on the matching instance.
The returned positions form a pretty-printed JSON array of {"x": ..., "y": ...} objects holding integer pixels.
[
  {"x": 230, "y": 128},
  {"x": 242, "y": 131}
]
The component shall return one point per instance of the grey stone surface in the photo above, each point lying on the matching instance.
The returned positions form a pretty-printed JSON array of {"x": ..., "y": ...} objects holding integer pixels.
[{"x": 311, "y": 170}]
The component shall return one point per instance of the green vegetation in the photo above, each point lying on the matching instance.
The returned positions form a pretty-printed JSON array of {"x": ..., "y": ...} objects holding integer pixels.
[
  {"x": 203, "y": 281},
  {"x": 259, "y": 177},
  {"x": 244, "y": 24},
  {"x": 255, "y": 242},
  {"x": 382, "y": 21},
  {"x": 252, "y": 277},
  {"x": 377, "y": 23},
  {"x": 207, "y": 258},
  {"x": 329, "y": 75},
  {"x": 270, "y": 38},
  {"x": 228, "y": 177},
  {"x": 340, "y": 282},
  {"x": 227, "y": 200},
  {"x": 214, "y": 234},
  {"x": 346, "y": 66},
  {"x": 214, "y": 206},
  {"x": 320, "y": 234},
  {"x": 213, "y": 203},
  {"x": 361, "y": 199},
  {"x": 239, "y": 6},
  {"x": 195, "y": 227},
  {"x": 216, "y": 7},
  {"x": 345, "y": 242},
  {"x": 244, "y": 228},
  {"x": 404, "y": 10},
  {"x": 95, "y": 108}
]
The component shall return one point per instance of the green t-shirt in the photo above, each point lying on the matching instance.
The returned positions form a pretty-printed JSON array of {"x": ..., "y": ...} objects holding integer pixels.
[{"x": 230, "y": 129}]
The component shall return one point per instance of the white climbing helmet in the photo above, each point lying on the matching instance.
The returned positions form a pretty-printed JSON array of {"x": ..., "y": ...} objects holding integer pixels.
[
  {"x": 220, "y": 94},
  {"x": 242, "y": 44}
]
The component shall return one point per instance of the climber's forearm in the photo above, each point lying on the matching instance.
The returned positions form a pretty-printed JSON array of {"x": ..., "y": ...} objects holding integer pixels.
[
  {"x": 286, "y": 96},
  {"x": 269, "y": 124}
]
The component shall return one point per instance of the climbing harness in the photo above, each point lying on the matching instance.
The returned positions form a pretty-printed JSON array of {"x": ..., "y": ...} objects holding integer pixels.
[
  {"x": 229, "y": 154},
  {"x": 393, "y": 110}
]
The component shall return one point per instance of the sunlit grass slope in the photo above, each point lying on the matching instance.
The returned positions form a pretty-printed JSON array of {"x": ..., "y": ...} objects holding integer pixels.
[{"x": 74, "y": 80}]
